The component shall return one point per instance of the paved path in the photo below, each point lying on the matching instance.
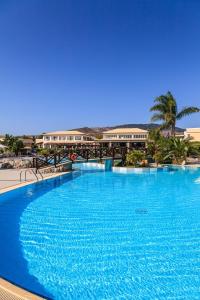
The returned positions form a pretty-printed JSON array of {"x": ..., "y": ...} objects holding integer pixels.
[{"x": 11, "y": 177}]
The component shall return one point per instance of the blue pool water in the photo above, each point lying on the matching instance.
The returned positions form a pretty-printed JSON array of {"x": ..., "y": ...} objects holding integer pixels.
[{"x": 104, "y": 235}]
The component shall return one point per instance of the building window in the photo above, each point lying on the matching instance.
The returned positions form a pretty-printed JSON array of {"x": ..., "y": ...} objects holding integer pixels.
[
  {"x": 62, "y": 138},
  {"x": 107, "y": 137},
  {"x": 54, "y": 138},
  {"x": 140, "y": 136},
  {"x": 78, "y": 138},
  {"x": 70, "y": 138},
  {"x": 125, "y": 136}
]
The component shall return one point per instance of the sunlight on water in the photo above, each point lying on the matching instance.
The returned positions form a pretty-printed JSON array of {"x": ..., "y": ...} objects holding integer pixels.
[{"x": 197, "y": 180}]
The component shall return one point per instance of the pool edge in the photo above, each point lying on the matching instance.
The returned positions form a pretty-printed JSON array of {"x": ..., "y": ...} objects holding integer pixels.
[
  {"x": 11, "y": 291},
  {"x": 20, "y": 185}
]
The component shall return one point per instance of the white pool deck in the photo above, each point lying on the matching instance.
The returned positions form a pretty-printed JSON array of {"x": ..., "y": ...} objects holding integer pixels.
[{"x": 10, "y": 179}]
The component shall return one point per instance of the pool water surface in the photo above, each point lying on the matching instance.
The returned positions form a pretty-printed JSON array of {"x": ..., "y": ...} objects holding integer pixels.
[{"x": 104, "y": 235}]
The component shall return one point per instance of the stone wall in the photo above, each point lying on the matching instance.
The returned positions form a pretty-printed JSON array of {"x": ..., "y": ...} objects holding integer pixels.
[
  {"x": 59, "y": 168},
  {"x": 15, "y": 163}
]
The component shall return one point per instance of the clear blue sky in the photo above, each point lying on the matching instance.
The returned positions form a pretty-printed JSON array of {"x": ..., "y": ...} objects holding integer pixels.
[{"x": 73, "y": 63}]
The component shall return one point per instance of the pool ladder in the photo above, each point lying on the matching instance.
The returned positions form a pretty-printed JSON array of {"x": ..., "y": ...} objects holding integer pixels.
[{"x": 31, "y": 171}]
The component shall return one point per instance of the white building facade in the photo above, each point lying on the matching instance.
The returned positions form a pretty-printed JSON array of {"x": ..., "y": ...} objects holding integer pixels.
[
  {"x": 193, "y": 134},
  {"x": 123, "y": 137},
  {"x": 129, "y": 137},
  {"x": 63, "y": 139}
]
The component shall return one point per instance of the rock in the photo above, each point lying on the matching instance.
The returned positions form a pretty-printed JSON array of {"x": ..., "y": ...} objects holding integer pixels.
[
  {"x": 6, "y": 165},
  {"x": 25, "y": 163},
  {"x": 17, "y": 163}
]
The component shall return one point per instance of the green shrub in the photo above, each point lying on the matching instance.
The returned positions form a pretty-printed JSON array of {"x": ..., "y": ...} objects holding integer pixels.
[
  {"x": 43, "y": 151},
  {"x": 135, "y": 158}
]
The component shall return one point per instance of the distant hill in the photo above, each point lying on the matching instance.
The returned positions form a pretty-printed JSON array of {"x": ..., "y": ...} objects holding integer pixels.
[{"x": 99, "y": 130}]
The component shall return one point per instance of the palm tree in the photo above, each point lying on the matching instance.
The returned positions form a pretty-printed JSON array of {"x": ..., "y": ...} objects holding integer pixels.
[
  {"x": 179, "y": 150},
  {"x": 167, "y": 111}
]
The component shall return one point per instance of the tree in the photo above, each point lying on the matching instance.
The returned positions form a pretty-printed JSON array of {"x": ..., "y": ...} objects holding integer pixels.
[
  {"x": 158, "y": 147},
  {"x": 135, "y": 157},
  {"x": 166, "y": 110},
  {"x": 154, "y": 139},
  {"x": 13, "y": 144},
  {"x": 17, "y": 146},
  {"x": 196, "y": 148},
  {"x": 179, "y": 150}
]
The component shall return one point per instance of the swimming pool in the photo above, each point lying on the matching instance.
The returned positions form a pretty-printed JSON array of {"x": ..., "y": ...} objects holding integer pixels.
[{"x": 104, "y": 235}]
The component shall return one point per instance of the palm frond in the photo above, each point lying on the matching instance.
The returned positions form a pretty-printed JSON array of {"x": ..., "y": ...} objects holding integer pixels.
[
  {"x": 158, "y": 107},
  {"x": 187, "y": 111},
  {"x": 169, "y": 95},
  {"x": 157, "y": 117},
  {"x": 161, "y": 99}
]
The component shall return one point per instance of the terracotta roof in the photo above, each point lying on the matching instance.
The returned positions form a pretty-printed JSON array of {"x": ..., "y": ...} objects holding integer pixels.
[
  {"x": 65, "y": 132},
  {"x": 125, "y": 131}
]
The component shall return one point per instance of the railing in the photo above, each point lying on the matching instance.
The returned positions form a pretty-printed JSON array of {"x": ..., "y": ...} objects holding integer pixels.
[{"x": 84, "y": 153}]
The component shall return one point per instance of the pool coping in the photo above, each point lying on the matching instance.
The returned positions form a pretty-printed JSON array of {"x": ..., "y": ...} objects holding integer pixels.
[
  {"x": 9, "y": 290},
  {"x": 142, "y": 170}
]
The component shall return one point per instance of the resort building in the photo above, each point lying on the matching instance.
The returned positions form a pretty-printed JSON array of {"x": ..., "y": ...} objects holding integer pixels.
[
  {"x": 125, "y": 137},
  {"x": 193, "y": 134},
  {"x": 28, "y": 145},
  {"x": 167, "y": 133},
  {"x": 61, "y": 139},
  {"x": 39, "y": 143}
]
